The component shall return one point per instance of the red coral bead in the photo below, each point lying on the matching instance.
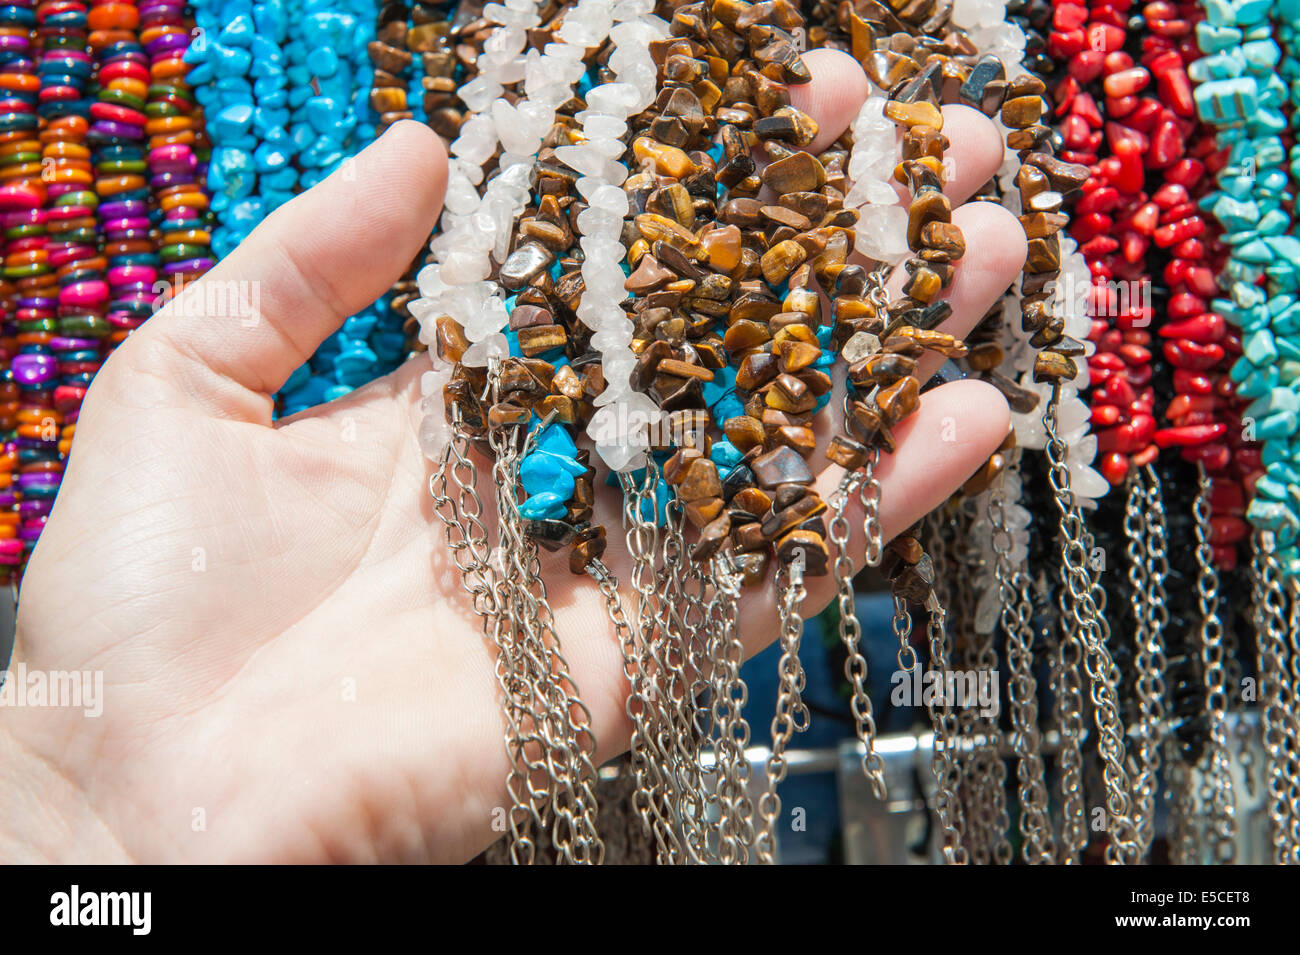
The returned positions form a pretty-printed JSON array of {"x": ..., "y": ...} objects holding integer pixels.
[{"x": 1114, "y": 468}]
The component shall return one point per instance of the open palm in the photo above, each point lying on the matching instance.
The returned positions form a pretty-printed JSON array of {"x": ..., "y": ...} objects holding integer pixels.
[{"x": 292, "y": 671}]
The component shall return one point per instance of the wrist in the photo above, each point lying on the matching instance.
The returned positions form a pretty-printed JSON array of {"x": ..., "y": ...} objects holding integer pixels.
[{"x": 47, "y": 818}]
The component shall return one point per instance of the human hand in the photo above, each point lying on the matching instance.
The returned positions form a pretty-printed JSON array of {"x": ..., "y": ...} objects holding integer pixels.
[{"x": 287, "y": 651}]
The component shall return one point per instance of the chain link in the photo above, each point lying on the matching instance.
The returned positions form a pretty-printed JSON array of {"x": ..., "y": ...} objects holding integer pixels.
[
  {"x": 791, "y": 713},
  {"x": 1277, "y": 700},
  {"x": 1219, "y": 796},
  {"x": 943, "y": 762},
  {"x": 1038, "y": 846},
  {"x": 850, "y": 630},
  {"x": 729, "y": 695},
  {"x": 1084, "y": 625},
  {"x": 652, "y": 759}
]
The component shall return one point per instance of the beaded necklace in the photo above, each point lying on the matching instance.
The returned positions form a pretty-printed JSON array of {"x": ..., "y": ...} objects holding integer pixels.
[
  {"x": 1243, "y": 93},
  {"x": 174, "y": 126},
  {"x": 32, "y": 367}
]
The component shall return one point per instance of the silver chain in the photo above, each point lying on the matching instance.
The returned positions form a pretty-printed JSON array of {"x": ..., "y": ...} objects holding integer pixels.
[
  {"x": 1277, "y": 699},
  {"x": 467, "y": 541},
  {"x": 943, "y": 762},
  {"x": 1038, "y": 845},
  {"x": 652, "y": 757},
  {"x": 791, "y": 713},
  {"x": 1219, "y": 796},
  {"x": 729, "y": 695},
  {"x": 539, "y": 663},
  {"x": 855, "y": 664},
  {"x": 1085, "y": 625}
]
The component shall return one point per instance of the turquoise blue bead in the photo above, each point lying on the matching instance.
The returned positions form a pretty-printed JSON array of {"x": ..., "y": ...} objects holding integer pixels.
[
  {"x": 543, "y": 506},
  {"x": 1259, "y": 348}
]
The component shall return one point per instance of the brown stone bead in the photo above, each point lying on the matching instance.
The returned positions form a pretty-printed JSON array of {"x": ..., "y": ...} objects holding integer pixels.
[
  {"x": 788, "y": 125},
  {"x": 941, "y": 342},
  {"x": 721, "y": 248},
  {"x": 673, "y": 202},
  {"x": 907, "y": 548},
  {"x": 781, "y": 519},
  {"x": 923, "y": 285},
  {"x": 752, "y": 500},
  {"x": 787, "y": 494},
  {"x": 790, "y": 386},
  {"x": 846, "y": 452},
  {"x": 648, "y": 276},
  {"x": 779, "y": 399},
  {"x": 811, "y": 205},
  {"x": 743, "y": 335},
  {"x": 657, "y": 228},
  {"x": 425, "y": 37},
  {"x": 1044, "y": 254},
  {"x": 753, "y": 567},
  {"x": 667, "y": 160},
  {"x": 684, "y": 105},
  {"x": 919, "y": 113},
  {"x": 741, "y": 212},
  {"x": 539, "y": 338},
  {"x": 700, "y": 481},
  {"x": 589, "y": 545},
  {"x": 672, "y": 257},
  {"x": 387, "y": 57},
  {"x": 1053, "y": 366},
  {"x": 781, "y": 465},
  {"x": 1020, "y": 400},
  {"x": 979, "y": 482},
  {"x": 1064, "y": 177},
  {"x": 555, "y": 237},
  {"x": 796, "y": 355},
  {"x": 683, "y": 369},
  {"x": 915, "y": 582},
  {"x": 800, "y": 172},
  {"x": 564, "y": 408},
  {"x": 813, "y": 545},
  {"x": 818, "y": 381},
  {"x": 898, "y": 400},
  {"x": 744, "y": 432},
  {"x": 1022, "y": 111},
  {"x": 451, "y": 341},
  {"x": 567, "y": 383},
  {"x": 675, "y": 467},
  {"x": 748, "y": 537},
  {"x": 1031, "y": 137},
  {"x": 801, "y": 439},
  {"x": 756, "y": 370},
  {"x": 388, "y": 99},
  {"x": 782, "y": 259},
  {"x": 888, "y": 68},
  {"x": 929, "y": 206},
  {"x": 528, "y": 316},
  {"x": 985, "y": 356},
  {"x": 524, "y": 264},
  {"x": 507, "y": 414},
  {"x": 863, "y": 421},
  {"x": 881, "y": 369},
  {"x": 782, "y": 216},
  {"x": 1042, "y": 224},
  {"x": 945, "y": 237},
  {"x": 703, "y": 511},
  {"x": 647, "y": 363},
  {"x": 712, "y": 536}
]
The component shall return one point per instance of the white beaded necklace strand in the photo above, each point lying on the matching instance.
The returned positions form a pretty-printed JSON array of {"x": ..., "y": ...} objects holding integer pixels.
[
  {"x": 619, "y": 427},
  {"x": 475, "y": 229}
]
